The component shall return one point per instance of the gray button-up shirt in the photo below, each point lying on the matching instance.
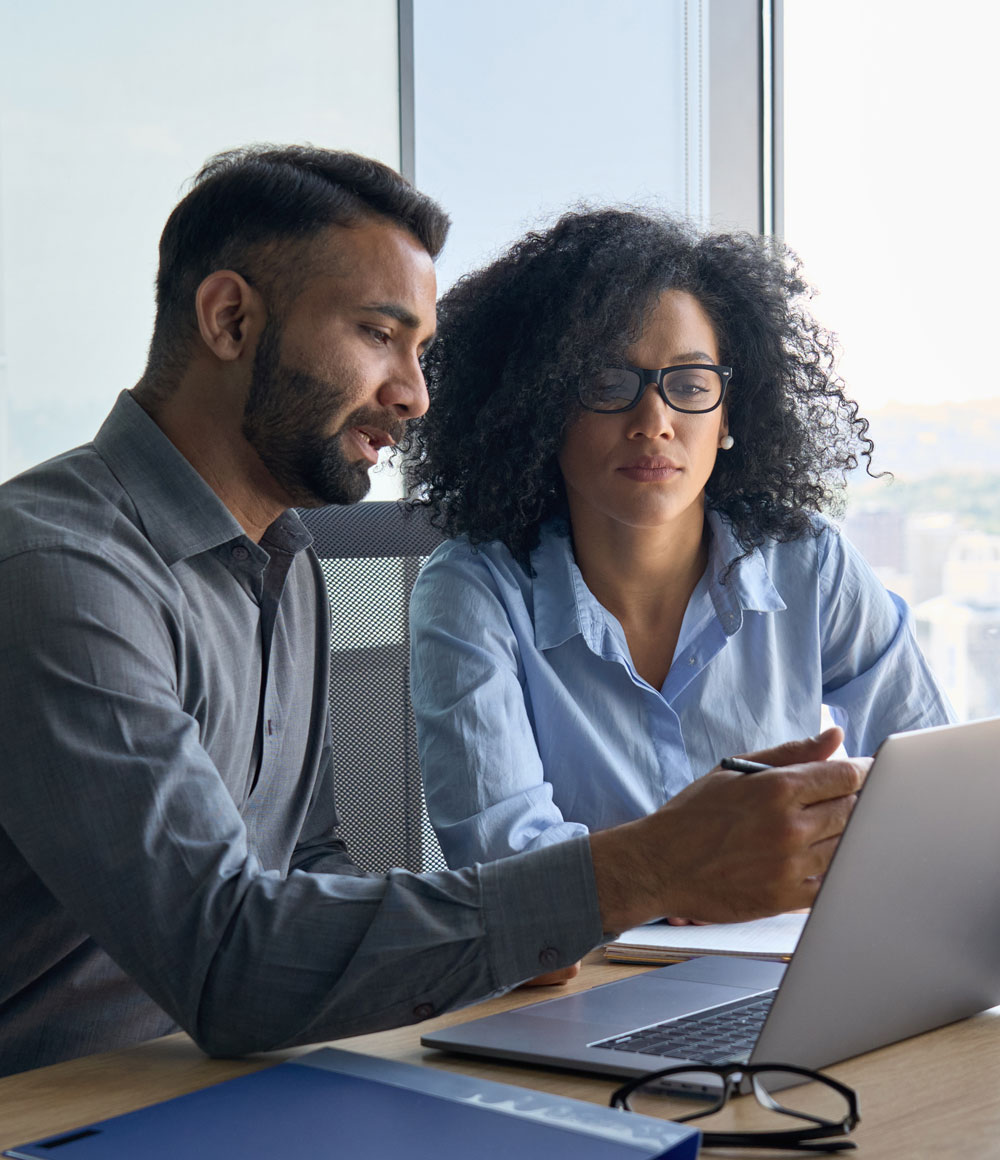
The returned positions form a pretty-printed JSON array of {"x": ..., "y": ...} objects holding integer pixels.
[{"x": 168, "y": 845}]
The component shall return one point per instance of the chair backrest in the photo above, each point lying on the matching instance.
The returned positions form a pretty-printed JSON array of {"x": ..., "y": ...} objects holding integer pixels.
[{"x": 370, "y": 554}]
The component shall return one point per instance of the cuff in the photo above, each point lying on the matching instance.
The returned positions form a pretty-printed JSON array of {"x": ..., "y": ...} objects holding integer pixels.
[{"x": 541, "y": 910}]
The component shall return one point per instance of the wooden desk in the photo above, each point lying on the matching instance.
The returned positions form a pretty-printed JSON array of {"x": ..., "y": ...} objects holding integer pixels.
[{"x": 932, "y": 1096}]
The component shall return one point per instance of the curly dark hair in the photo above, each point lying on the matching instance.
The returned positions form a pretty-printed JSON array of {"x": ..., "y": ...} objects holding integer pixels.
[{"x": 516, "y": 337}]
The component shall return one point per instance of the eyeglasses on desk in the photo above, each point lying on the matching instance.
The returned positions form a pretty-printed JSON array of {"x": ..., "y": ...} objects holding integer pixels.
[{"x": 827, "y": 1108}]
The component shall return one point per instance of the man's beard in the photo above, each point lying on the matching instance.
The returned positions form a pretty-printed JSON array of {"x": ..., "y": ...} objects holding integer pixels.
[{"x": 285, "y": 416}]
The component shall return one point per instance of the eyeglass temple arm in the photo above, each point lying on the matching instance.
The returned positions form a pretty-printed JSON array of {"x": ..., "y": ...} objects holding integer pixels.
[{"x": 791, "y": 1142}]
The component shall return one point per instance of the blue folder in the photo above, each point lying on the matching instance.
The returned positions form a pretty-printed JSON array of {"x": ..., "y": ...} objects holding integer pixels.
[{"x": 333, "y": 1103}]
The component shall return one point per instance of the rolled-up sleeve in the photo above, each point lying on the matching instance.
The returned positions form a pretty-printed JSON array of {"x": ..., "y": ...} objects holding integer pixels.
[
  {"x": 486, "y": 790},
  {"x": 875, "y": 678}
]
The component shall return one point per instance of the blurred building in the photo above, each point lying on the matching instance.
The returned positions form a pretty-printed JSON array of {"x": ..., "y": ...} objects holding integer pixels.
[
  {"x": 929, "y": 542},
  {"x": 959, "y": 629},
  {"x": 880, "y": 536}
]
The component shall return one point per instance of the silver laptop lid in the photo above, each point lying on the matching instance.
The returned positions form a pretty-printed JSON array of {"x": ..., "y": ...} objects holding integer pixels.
[{"x": 905, "y": 934}]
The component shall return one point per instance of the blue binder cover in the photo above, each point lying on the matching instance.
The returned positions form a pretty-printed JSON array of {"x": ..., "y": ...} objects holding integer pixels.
[{"x": 333, "y": 1103}]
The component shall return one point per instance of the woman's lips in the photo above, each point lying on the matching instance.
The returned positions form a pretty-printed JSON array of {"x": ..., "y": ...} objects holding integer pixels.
[{"x": 649, "y": 470}]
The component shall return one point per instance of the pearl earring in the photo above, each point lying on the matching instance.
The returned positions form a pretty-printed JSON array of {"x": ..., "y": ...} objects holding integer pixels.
[{"x": 727, "y": 442}]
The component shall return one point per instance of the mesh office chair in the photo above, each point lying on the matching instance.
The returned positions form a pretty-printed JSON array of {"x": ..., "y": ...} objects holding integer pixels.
[{"x": 370, "y": 554}]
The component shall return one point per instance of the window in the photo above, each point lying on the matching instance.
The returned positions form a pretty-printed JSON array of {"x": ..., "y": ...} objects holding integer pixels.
[
  {"x": 106, "y": 109},
  {"x": 510, "y": 114},
  {"x": 523, "y": 109},
  {"x": 888, "y": 198}
]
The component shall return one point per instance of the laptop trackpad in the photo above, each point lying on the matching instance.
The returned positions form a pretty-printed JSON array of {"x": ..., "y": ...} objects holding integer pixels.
[{"x": 665, "y": 993}]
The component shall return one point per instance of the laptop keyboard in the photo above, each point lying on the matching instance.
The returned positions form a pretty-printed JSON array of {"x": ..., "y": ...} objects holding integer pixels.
[{"x": 721, "y": 1035}]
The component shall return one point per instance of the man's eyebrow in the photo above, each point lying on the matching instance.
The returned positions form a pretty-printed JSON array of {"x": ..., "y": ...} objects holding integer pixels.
[{"x": 394, "y": 310}]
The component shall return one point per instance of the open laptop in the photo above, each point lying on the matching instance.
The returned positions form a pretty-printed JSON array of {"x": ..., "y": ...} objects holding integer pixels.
[{"x": 904, "y": 937}]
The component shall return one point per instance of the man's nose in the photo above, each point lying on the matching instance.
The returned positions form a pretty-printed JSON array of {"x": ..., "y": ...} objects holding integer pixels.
[{"x": 406, "y": 393}]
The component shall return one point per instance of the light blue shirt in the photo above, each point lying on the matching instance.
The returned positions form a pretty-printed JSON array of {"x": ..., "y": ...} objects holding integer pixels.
[{"x": 534, "y": 725}]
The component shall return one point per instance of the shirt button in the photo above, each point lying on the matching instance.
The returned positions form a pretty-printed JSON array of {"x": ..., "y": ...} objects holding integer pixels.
[
  {"x": 692, "y": 660},
  {"x": 423, "y": 1011},
  {"x": 240, "y": 552},
  {"x": 549, "y": 958}
]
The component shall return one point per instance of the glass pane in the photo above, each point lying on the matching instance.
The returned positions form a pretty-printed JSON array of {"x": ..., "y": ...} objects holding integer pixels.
[
  {"x": 523, "y": 109},
  {"x": 106, "y": 109},
  {"x": 890, "y": 199}
]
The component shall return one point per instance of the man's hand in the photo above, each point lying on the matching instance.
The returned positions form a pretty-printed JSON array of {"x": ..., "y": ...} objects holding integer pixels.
[
  {"x": 551, "y": 978},
  {"x": 730, "y": 846}
]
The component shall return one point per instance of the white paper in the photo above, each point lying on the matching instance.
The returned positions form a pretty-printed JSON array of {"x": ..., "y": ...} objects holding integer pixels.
[{"x": 763, "y": 937}]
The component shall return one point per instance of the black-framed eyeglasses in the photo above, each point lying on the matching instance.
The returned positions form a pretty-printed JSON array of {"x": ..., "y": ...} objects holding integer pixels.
[
  {"x": 694, "y": 388},
  {"x": 830, "y": 1107}
]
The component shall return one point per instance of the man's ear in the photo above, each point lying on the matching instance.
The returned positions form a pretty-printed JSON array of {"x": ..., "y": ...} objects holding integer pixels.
[{"x": 231, "y": 314}]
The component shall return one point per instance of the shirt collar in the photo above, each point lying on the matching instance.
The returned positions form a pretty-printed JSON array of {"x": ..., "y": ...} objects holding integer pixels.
[
  {"x": 747, "y": 588},
  {"x": 180, "y": 513},
  {"x": 556, "y": 576}
]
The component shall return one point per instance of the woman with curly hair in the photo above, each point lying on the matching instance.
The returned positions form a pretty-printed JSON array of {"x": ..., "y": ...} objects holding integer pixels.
[{"x": 633, "y": 429}]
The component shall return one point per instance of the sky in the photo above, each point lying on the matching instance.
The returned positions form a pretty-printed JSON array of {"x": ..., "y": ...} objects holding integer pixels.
[
  {"x": 890, "y": 196},
  {"x": 106, "y": 110}
]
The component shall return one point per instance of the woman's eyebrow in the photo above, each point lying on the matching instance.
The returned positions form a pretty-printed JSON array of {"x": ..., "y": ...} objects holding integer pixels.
[{"x": 694, "y": 356}]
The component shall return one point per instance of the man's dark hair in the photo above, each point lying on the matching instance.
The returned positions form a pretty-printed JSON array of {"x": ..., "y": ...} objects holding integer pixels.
[
  {"x": 515, "y": 338},
  {"x": 250, "y": 210}
]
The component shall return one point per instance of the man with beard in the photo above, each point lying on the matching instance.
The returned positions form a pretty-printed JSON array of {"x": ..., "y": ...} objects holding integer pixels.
[{"x": 168, "y": 850}]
